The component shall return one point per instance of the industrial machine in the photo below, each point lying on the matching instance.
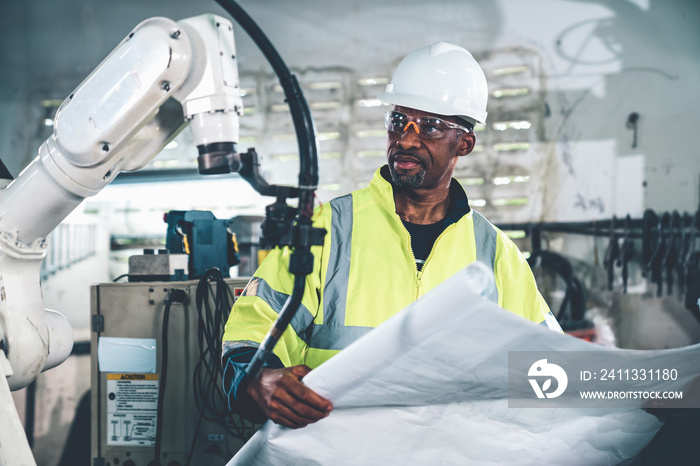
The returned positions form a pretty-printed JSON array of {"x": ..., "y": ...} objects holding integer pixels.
[
  {"x": 154, "y": 384},
  {"x": 247, "y": 230},
  {"x": 207, "y": 241},
  {"x": 163, "y": 76}
]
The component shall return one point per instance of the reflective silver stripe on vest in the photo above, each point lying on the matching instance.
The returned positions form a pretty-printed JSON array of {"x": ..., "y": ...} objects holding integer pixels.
[
  {"x": 335, "y": 290},
  {"x": 302, "y": 320},
  {"x": 334, "y": 337},
  {"x": 486, "y": 237},
  {"x": 228, "y": 346},
  {"x": 334, "y": 334}
]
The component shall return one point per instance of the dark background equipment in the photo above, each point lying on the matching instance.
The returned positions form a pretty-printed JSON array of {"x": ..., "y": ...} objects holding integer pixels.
[{"x": 208, "y": 241}]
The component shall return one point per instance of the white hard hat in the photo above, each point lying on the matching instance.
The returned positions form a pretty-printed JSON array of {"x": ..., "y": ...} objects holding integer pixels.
[{"x": 441, "y": 78}]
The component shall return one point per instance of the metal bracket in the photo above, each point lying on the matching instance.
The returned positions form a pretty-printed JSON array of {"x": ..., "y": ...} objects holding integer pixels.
[
  {"x": 159, "y": 294},
  {"x": 98, "y": 323}
]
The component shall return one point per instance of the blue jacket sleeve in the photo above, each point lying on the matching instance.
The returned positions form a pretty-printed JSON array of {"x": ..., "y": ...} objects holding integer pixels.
[{"x": 234, "y": 362}]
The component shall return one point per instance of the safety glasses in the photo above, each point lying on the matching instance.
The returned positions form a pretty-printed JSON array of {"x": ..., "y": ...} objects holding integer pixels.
[{"x": 426, "y": 127}]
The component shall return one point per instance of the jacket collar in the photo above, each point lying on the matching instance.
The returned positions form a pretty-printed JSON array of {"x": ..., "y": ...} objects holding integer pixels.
[{"x": 383, "y": 190}]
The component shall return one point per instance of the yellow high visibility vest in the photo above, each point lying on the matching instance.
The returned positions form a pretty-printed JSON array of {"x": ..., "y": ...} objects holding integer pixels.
[{"x": 365, "y": 272}]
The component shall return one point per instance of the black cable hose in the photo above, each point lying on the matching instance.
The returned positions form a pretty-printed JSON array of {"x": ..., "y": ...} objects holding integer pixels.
[
  {"x": 574, "y": 300},
  {"x": 278, "y": 327},
  {"x": 163, "y": 378},
  {"x": 194, "y": 441},
  {"x": 298, "y": 107},
  {"x": 308, "y": 173},
  {"x": 116, "y": 279},
  {"x": 178, "y": 296},
  {"x": 210, "y": 399}
]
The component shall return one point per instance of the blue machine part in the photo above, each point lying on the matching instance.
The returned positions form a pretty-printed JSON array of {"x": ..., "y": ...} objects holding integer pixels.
[{"x": 204, "y": 238}]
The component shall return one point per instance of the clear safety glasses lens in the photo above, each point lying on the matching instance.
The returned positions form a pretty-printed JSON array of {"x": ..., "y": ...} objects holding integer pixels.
[{"x": 427, "y": 127}]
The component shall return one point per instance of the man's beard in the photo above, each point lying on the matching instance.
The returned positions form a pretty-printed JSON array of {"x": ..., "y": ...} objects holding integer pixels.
[{"x": 407, "y": 181}]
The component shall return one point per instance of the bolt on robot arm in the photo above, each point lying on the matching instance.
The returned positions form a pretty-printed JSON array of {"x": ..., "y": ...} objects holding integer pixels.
[{"x": 118, "y": 119}]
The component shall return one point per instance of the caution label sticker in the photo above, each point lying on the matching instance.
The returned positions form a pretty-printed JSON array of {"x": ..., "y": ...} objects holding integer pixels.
[{"x": 132, "y": 406}]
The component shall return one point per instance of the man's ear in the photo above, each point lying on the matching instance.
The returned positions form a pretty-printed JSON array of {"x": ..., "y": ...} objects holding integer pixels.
[{"x": 466, "y": 144}]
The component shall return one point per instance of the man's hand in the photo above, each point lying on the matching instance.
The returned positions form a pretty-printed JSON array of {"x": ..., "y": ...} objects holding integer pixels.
[{"x": 285, "y": 399}]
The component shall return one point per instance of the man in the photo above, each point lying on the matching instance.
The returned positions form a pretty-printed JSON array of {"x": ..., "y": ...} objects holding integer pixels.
[{"x": 387, "y": 244}]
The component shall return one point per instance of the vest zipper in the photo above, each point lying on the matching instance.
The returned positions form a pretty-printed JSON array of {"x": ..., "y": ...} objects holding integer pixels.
[
  {"x": 427, "y": 259},
  {"x": 413, "y": 257},
  {"x": 419, "y": 273}
]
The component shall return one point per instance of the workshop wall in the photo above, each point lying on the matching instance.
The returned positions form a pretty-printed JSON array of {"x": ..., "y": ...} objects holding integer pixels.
[{"x": 564, "y": 83}]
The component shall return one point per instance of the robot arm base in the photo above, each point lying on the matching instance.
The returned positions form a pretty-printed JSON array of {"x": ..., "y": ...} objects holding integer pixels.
[{"x": 14, "y": 447}]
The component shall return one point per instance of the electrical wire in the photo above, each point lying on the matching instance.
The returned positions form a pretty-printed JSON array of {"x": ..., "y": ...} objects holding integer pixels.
[
  {"x": 116, "y": 279},
  {"x": 213, "y": 300},
  {"x": 180, "y": 296},
  {"x": 163, "y": 378},
  {"x": 194, "y": 441}
]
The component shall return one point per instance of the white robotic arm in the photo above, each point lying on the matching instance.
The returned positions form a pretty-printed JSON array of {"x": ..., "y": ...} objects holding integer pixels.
[{"x": 118, "y": 119}]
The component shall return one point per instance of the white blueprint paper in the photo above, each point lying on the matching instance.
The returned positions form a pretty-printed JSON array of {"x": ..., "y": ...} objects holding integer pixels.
[{"x": 429, "y": 387}]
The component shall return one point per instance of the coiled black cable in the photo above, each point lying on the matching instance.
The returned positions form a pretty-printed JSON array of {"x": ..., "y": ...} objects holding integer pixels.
[{"x": 209, "y": 396}]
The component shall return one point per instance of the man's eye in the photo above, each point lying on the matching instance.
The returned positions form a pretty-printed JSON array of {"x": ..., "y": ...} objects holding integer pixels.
[
  {"x": 430, "y": 127},
  {"x": 398, "y": 122}
]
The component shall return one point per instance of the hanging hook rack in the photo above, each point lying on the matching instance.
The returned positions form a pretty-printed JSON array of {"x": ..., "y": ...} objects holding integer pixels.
[{"x": 669, "y": 255}]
